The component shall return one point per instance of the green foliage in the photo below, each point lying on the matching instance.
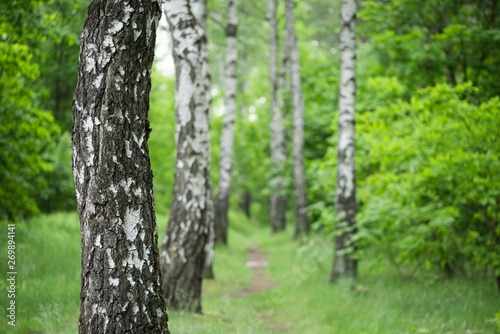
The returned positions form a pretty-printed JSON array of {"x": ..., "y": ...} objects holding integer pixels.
[
  {"x": 319, "y": 75},
  {"x": 497, "y": 319},
  {"x": 161, "y": 141},
  {"x": 24, "y": 136},
  {"x": 426, "y": 136},
  {"x": 59, "y": 188},
  {"x": 428, "y": 177},
  {"x": 433, "y": 196},
  {"x": 25, "y": 130},
  {"x": 252, "y": 164},
  {"x": 427, "y": 42},
  {"x": 319, "y": 21},
  {"x": 39, "y": 43},
  {"x": 57, "y": 56}
]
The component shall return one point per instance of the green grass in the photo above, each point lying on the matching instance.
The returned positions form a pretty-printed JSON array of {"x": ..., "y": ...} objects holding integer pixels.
[
  {"x": 386, "y": 304},
  {"x": 48, "y": 280},
  {"x": 48, "y": 284}
]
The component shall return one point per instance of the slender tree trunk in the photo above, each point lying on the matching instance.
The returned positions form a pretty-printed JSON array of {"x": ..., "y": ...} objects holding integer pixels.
[
  {"x": 183, "y": 254},
  {"x": 278, "y": 149},
  {"x": 345, "y": 202},
  {"x": 246, "y": 197},
  {"x": 199, "y": 10},
  {"x": 283, "y": 84},
  {"x": 227, "y": 137},
  {"x": 299, "y": 176},
  {"x": 246, "y": 201},
  {"x": 208, "y": 271},
  {"x": 121, "y": 281}
]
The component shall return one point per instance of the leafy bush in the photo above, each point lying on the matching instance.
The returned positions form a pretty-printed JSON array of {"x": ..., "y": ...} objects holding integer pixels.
[
  {"x": 26, "y": 131},
  {"x": 433, "y": 200},
  {"x": 58, "y": 192},
  {"x": 428, "y": 174}
]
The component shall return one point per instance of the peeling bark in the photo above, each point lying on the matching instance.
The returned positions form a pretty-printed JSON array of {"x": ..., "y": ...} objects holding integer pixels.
[
  {"x": 345, "y": 201},
  {"x": 278, "y": 146},
  {"x": 121, "y": 282},
  {"x": 299, "y": 176},
  {"x": 183, "y": 253},
  {"x": 227, "y": 136}
]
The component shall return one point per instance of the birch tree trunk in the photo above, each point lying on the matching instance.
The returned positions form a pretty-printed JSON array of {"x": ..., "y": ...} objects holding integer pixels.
[
  {"x": 278, "y": 149},
  {"x": 200, "y": 12},
  {"x": 121, "y": 282},
  {"x": 283, "y": 85},
  {"x": 183, "y": 253},
  {"x": 246, "y": 201},
  {"x": 227, "y": 136},
  {"x": 345, "y": 201},
  {"x": 299, "y": 177}
]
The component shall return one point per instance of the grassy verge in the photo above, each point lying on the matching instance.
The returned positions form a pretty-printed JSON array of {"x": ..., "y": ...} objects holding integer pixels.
[
  {"x": 48, "y": 279},
  {"x": 381, "y": 301},
  {"x": 48, "y": 285}
]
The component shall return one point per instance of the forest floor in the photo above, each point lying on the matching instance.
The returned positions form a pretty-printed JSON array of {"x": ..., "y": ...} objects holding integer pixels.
[
  {"x": 264, "y": 283},
  {"x": 261, "y": 281}
]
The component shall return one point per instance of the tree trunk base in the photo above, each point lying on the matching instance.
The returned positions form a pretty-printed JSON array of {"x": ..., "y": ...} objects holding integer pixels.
[
  {"x": 278, "y": 212},
  {"x": 344, "y": 267},
  {"x": 245, "y": 203},
  {"x": 208, "y": 273},
  {"x": 221, "y": 220}
]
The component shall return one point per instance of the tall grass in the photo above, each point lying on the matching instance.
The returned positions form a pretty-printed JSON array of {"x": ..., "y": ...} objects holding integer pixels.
[
  {"x": 48, "y": 279},
  {"x": 379, "y": 301}
]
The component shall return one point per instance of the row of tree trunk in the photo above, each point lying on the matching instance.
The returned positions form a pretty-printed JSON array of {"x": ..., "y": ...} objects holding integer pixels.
[
  {"x": 123, "y": 289},
  {"x": 290, "y": 64},
  {"x": 227, "y": 136}
]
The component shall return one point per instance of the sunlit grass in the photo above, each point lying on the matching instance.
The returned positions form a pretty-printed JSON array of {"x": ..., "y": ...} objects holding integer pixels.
[{"x": 48, "y": 286}]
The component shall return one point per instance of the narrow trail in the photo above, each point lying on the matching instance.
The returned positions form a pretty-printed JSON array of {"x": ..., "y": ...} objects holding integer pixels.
[{"x": 261, "y": 281}]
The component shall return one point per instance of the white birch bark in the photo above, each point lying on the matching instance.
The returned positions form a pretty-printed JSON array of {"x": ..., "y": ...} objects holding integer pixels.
[
  {"x": 227, "y": 136},
  {"x": 200, "y": 13},
  {"x": 345, "y": 201},
  {"x": 278, "y": 149},
  {"x": 283, "y": 85},
  {"x": 121, "y": 288},
  {"x": 183, "y": 253},
  {"x": 299, "y": 178}
]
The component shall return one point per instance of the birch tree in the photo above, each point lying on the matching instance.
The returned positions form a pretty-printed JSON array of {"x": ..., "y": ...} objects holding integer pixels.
[
  {"x": 200, "y": 13},
  {"x": 183, "y": 253},
  {"x": 227, "y": 136},
  {"x": 283, "y": 83},
  {"x": 345, "y": 197},
  {"x": 299, "y": 178},
  {"x": 278, "y": 149},
  {"x": 121, "y": 282}
]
